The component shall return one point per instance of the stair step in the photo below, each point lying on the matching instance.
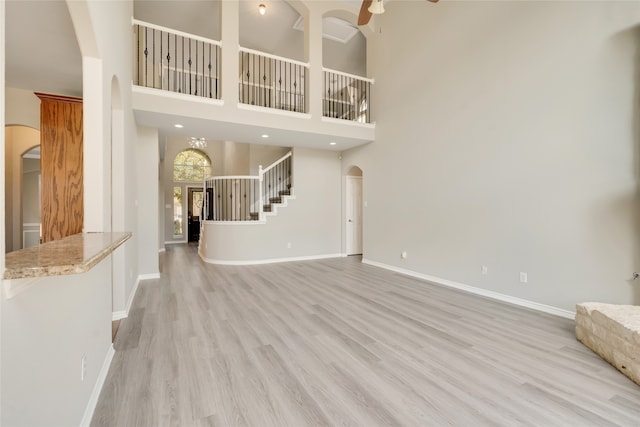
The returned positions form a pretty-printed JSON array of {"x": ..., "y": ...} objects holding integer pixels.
[
  {"x": 284, "y": 192},
  {"x": 275, "y": 200},
  {"x": 254, "y": 215},
  {"x": 266, "y": 208}
]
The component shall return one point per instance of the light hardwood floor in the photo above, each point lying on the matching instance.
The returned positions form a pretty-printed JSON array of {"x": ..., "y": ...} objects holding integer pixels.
[{"x": 336, "y": 342}]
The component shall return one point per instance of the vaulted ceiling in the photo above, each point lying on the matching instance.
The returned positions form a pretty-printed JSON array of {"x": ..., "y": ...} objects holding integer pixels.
[{"x": 42, "y": 52}]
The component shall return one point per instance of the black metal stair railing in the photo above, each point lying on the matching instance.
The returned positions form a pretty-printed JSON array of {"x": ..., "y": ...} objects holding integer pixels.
[
  {"x": 174, "y": 61},
  {"x": 247, "y": 198},
  {"x": 276, "y": 181}
]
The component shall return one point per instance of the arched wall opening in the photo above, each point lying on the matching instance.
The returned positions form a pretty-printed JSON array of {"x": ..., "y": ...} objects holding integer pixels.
[{"x": 19, "y": 140}]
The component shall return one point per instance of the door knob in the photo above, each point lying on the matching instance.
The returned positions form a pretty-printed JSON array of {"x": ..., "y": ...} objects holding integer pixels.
[{"x": 350, "y": 221}]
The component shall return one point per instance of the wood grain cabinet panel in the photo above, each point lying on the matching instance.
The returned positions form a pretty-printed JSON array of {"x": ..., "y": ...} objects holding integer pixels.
[{"x": 61, "y": 166}]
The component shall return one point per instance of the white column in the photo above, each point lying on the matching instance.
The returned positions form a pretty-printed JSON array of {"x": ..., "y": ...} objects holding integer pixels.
[
  {"x": 230, "y": 37},
  {"x": 96, "y": 178},
  {"x": 313, "y": 40}
]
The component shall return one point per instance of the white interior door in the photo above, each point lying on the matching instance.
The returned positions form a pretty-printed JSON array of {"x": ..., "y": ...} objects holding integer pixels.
[{"x": 354, "y": 215}]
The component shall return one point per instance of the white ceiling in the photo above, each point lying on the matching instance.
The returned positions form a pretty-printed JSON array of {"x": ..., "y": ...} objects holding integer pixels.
[{"x": 42, "y": 52}]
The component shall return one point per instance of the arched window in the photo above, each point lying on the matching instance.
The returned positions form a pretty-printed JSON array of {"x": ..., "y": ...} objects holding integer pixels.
[{"x": 191, "y": 165}]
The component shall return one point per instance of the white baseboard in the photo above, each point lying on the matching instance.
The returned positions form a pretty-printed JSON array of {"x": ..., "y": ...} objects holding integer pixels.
[
  {"x": 123, "y": 314},
  {"x": 175, "y": 242},
  {"x": 478, "y": 291},
  {"x": 149, "y": 276},
  {"x": 269, "y": 261},
  {"x": 119, "y": 315},
  {"x": 97, "y": 388}
]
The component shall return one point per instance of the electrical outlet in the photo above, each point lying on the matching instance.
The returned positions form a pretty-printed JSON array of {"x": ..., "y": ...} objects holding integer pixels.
[
  {"x": 403, "y": 255},
  {"x": 83, "y": 367},
  {"x": 485, "y": 270},
  {"x": 523, "y": 277}
]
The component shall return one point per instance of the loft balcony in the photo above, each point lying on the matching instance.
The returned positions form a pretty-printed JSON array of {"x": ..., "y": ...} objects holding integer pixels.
[{"x": 180, "y": 77}]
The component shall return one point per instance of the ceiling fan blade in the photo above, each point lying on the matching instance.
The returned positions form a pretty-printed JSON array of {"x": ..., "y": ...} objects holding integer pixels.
[{"x": 365, "y": 15}]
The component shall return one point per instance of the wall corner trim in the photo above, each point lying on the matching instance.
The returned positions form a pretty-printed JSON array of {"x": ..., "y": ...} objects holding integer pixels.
[
  {"x": 97, "y": 388},
  {"x": 477, "y": 291}
]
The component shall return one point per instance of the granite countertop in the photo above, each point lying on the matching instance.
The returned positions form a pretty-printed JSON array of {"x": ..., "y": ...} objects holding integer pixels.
[{"x": 71, "y": 255}]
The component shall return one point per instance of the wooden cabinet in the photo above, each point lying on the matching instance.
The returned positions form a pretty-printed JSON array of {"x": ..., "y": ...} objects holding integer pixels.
[{"x": 61, "y": 166}]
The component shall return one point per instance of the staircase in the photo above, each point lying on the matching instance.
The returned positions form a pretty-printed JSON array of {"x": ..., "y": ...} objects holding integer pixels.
[{"x": 249, "y": 198}]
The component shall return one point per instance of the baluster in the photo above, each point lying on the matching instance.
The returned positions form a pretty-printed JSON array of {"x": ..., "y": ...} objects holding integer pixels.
[
  {"x": 146, "y": 56},
  {"x": 189, "y": 62},
  {"x": 290, "y": 78},
  {"x": 210, "y": 85},
  {"x": 153, "y": 56},
  {"x": 295, "y": 87},
  {"x": 138, "y": 53},
  {"x": 202, "y": 79},
  {"x": 280, "y": 85},
  {"x": 195, "y": 75},
  {"x": 168, "y": 61},
  {"x": 217, "y": 71}
]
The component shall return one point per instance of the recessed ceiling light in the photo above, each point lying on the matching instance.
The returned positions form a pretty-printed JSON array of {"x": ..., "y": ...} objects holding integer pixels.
[
  {"x": 332, "y": 143},
  {"x": 178, "y": 125},
  {"x": 262, "y": 9},
  {"x": 264, "y": 135}
]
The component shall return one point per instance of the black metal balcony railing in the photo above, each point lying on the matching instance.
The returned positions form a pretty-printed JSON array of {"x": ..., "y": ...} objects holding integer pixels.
[
  {"x": 272, "y": 81},
  {"x": 346, "y": 96},
  {"x": 179, "y": 62},
  {"x": 175, "y": 61}
]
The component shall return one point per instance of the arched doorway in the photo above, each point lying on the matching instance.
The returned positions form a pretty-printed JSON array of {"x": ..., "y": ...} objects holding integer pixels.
[
  {"x": 353, "y": 205},
  {"x": 31, "y": 198},
  {"x": 19, "y": 140}
]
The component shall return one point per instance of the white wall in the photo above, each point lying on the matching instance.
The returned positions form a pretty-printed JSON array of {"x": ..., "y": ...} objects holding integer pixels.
[
  {"x": 512, "y": 144},
  {"x": 45, "y": 331},
  {"x": 310, "y": 222},
  {"x": 23, "y": 108},
  {"x": 264, "y": 155}
]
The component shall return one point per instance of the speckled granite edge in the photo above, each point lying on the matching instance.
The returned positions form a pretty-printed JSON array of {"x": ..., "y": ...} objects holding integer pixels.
[{"x": 71, "y": 255}]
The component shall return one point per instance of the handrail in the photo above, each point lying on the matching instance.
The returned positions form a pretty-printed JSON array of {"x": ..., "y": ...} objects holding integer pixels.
[
  {"x": 274, "y": 164},
  {"x": 232, "y": 177},
  {"x": 176, "y": 32},
  {"x": 352, "y": 76},
  {"x": 276, "y": 57}
]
